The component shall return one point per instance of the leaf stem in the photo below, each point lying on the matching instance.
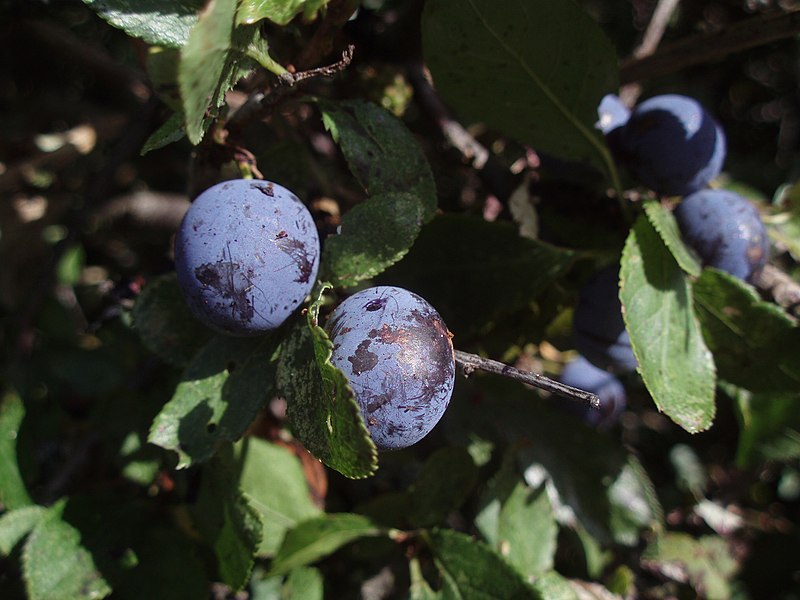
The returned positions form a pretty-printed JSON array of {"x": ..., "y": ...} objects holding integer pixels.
[
  {"x": 263, "y": 58},
  {"x": 472, "y": 362}
]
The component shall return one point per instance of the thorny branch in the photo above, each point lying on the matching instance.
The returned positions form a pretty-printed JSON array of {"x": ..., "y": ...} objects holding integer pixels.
[
  {"x": 472, "y": 362},
  {"x": 260, "y": 103}
]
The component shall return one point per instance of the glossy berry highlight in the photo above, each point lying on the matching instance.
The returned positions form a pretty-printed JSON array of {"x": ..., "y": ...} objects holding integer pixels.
[
  {"x": 246, "y": 255},
  {"x": 725, "y": 230},
  {"x": 611, "y": 114},
  {"x": 598, "y": 327},
  {"x": 671, "y": 144},
  {"x": 397, "y": 354},
  {"x": 582, "y": 374}
]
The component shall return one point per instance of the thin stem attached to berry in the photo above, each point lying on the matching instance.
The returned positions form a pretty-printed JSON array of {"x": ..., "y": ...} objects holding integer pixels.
[{"x": 472, "y": 362}]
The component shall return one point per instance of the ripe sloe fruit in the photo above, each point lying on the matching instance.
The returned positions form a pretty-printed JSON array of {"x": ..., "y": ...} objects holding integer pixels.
[
  {"x": 672, "y": 145},
  {"x": 397, "y": 354},
  {"x": 725, "y": 230},
  {"x": 597, "y": 325},
  {"x": 246, "y": 255},
  {"x": 582, "y": 374}
]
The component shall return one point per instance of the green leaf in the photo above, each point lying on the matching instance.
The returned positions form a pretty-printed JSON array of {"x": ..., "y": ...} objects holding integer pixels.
[
  {"x": 419, "y": 588},
  {"x": 596, "y": 557},
  {"x": 303, "y": 583},
  {"x": 534, "y": 71},
  {"x": 472, "y": 270},
  {"x": 228, "y": 521},
  {"x": 164, "y": 322},
  {"x": 527, "y": 530},
  {"x": 784, "y": 228},
  {"x": 161, "y": 65},
  {"x": 662, "y": 219},
  {"x": 519, "y": 522},
  {"x": 442, "y": 486},
  {"x": 622, "y": 582},
  {"x": 320, "y": 404},
  {"x": 277, "y": 11},
  {"x": 171, "y": 131},
  {"x": 553, "y": 586},
  {"x": 70, "y": 265},
  {"x": 705, "y": 562},
  {"x": 273, "y": 479},
  {"x": 205, "y": 69},
  {"x": 470, "y": 569},
  {"x": 374, "y": 235},
  {"x": 381, "y": 152},
  {"x": 675, "y": 364},
  {"x": 387, "y": 161},
  {"x": 157, "y": 22},
  {"x": 317, "y": 538},
  {"x": 263, "y": 587},
  {"x": 136, "y": 549},
  {"x": 583, "y": 465},
  {"x": 56, "y": 566},
  {"x": 16, "y": 524},
  {"x": 214, "y": 58},
  {"x": 221, "y": 392},
  {"x": 634, "y": 504},
  {"x": 770, "y": 429},
  {"x": 13, "y": 493},
  {"x": 755, "y": 344}
]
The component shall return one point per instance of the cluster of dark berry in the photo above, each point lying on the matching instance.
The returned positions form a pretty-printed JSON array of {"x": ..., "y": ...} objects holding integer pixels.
[
  {"x": 248, "y": 252},
  {"x": 672, "y": 145}
]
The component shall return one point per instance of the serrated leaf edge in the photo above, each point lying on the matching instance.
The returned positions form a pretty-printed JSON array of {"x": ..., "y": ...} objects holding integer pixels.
[
  {"x": 629, "y": 242},
  {"x": 695, "y": 268},
  {"x": 320, "y": 334}
]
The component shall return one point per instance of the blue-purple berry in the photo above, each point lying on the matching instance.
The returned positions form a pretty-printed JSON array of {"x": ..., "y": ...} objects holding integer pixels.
[
  {"x": 398, "y": 356},
  {"x": 672, "y": 145},
  {"x": 598, "y": 328},
  {"x": 582, "y": 374},
  {"x": 246, "y": 256},
  {"x": 725, "y": 230}
]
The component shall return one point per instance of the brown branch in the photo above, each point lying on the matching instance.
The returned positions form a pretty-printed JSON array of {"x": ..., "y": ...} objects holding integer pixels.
[
  {"x": 495, "y": 176},
  {"x": 650, "y": 41},
  {"x": 259, "y": 103},
  {"x": 472, "y": 362},
  {"x": 149, "y": 209},
  {"x": 455, "y": 133},
  {"x": 713, "y": 46},
  {"x": 291, "y": 79},
  {"x": 322, "y": 42},
  {"x": 656, "y": 28},
  {"x": 782, "y": 288}
]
